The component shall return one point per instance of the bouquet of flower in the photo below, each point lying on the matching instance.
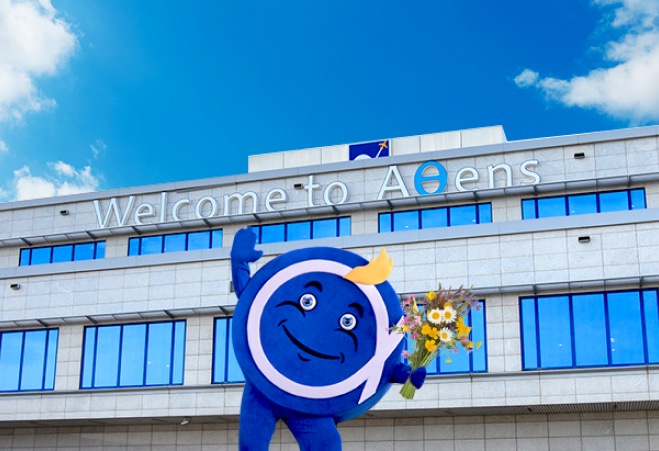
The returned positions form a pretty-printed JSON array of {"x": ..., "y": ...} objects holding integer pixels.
[{"x": 437, "y": 327}]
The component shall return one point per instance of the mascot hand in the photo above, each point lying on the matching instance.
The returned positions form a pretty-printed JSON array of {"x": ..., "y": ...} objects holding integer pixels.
[
  {"x": 243, "y": 246},
  {"x": 418, "y": 376}
]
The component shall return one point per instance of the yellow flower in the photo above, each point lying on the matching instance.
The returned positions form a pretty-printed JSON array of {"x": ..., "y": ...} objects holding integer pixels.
[
  {"x": 431, "y": 295},
  {"x": 448, "y": 305},
  {"x": 463, "y": 331},
  {"x": 430, "y": 346},
  {"x": 406, "y": 328},
  {"x": 448, "y": 360},
  {"x": 470, "y": 344},
  {"x": 434, "y": 333},
  {"x": 478, "y": 345},
  {"x": 426, "y": 330}
]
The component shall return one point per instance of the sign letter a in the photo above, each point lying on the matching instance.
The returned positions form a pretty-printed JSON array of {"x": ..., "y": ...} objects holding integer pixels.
[{"x": 398, "y": 186}]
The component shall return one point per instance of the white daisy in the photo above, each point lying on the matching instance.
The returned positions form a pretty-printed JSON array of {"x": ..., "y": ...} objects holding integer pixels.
[
  {"x": 435, "y": 316},
  {"x": 445, "y": 335},
  {"x": 448, "y": 315}
]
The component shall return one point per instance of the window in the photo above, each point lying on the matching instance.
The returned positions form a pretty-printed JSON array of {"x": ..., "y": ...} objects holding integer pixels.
[
  {"x": 436, "y": 217},
  {"x": 225, "y": 365},
  {"x": 307, "y": 230},
  {"x": 27, "y": 360},
  {"x": 133, "y": 355},
  {"x": 463, "y": 361},
  {"x": 581, "y": 204},
  {"x": 59, "y": 254},
  {"x": 160, "y": 244},
  {"x": 588, "y": 330}
]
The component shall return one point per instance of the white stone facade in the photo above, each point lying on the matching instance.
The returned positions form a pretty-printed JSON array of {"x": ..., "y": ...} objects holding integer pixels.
[{"x": 610, "y": 408}]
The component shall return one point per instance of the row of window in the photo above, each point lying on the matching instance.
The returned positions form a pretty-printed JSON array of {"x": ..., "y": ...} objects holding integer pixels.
[
  {"x": 61, "y": 254},
  {"x": 336, "y": 227},
  {"x": 558, "y": 331}
]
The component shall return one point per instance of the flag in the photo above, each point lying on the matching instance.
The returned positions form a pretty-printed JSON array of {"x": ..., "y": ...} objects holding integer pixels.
[{"x": 374, "y": 149}]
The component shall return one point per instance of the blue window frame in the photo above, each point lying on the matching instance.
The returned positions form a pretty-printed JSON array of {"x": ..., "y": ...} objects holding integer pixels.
[
  {"x": 580, "y": 204},
  {"x": 28, "y": 359},
  {"x": 225, "y": 365},
  {"x": 160, "y": 244},
  {"x": 133, "y": 355},
  {"x": 436, "y": 217},
  {"x": 305, "y": 230},
  {"x": 463, "y": 361},
  {"x": 59, "y": 254},
  {"x": 590, "y": 329}
]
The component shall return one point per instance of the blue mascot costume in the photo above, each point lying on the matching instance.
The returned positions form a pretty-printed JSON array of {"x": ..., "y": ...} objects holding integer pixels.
[{"x": 311, "y": 334}]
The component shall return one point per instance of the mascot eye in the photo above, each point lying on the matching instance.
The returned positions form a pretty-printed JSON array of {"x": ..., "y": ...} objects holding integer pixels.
[
  {"x": 348, "y": 321},
  {"x": 308, "y": 301}
]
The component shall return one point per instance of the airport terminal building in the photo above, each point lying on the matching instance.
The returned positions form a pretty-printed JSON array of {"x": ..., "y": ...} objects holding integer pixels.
[{"x": 116, "y": 306}]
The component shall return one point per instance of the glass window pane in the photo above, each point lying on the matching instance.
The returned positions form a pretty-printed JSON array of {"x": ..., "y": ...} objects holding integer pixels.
[
  {"x": 133, "y": 343},
  {"x": 62, "y": 254},
  {"x": 199, "y": 240},
  {"x": 159, "y": 354},
  {"x": 272, "y": 233},
  {"x": 10, "y": 360},
  {"x": 88, "y": 354},
  {"x": 344, "y": 227},
  {"x": 234, "y": 373},
  {"x": 582, "y": 204},
  {"x": 528, "y": 209},
  {"x": 220, "y": 350},
  {"x": 83, "y": 252},
  {"x": 616, "y": 201},
  {"x": 25, "y": 258},
  {"x": 549, "y": 207},
  {"x": 478, "y": 356},
  {"x": 133, "y": 246},
  {"x": 175, "y": 243},
  {"x": 462, "y": 215},
  {"x": 385, "y": 222},
  {"x": 529, "y": 335},
  {"x": 651, "y": 314},
  {"x": 107, "y": 356},
  {"x": 217, "y": 239},
  {"x": 437, "y": 217},
  {"x": 459, "y": 362},
  {"x": 590, "y": 346},
  {"x": 51, "y": 359},
  {"x": 326, "y": 228},
  {"x": 34, "y": 358},
  {"x": 100, "y": 250},
  {"x": 638, "y": 199},
  {"x": 41, "y": 255},
  {"x": 406, "y": 220},
  {"x": 178, "y": 360},
  {"x": 484, "y": 213},
  {"x": 151, "y": 245},
  {"x": 625, "y": 328},
  {"x": 554, "y": 329},
  {"x": 298, "y": 231}
]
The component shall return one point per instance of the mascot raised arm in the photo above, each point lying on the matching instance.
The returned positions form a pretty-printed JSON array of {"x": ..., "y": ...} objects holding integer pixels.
[{"x": 311, "y": 332}]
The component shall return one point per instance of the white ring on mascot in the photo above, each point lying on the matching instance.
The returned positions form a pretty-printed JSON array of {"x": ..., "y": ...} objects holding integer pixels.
[{"x": 370, "y": 373}]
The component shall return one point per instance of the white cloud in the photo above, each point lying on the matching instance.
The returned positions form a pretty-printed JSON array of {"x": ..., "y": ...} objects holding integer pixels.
[
  {"x": 99, "y": 147},
  {"x": 3, "y": 146},
  {"x": 526, "y": 78},
  {"x": 629, "y": 89},
  {"x": 68, "y": 180},
  {"x": 34, "y": 42}
]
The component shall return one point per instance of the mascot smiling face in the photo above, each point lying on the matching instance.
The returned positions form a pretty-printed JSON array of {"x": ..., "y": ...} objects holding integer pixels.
[{"x": 311, "y": 332}]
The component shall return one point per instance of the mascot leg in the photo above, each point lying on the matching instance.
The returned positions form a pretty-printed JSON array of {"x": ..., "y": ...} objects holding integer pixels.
[
  {"x": 257, "y": 421},
  {"x": 315, "y": 434}
]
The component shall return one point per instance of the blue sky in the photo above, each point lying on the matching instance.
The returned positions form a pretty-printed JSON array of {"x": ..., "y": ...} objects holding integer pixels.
[{"x": 99, "y": 95}]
